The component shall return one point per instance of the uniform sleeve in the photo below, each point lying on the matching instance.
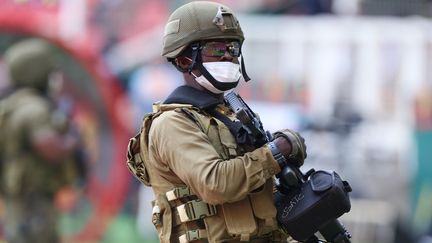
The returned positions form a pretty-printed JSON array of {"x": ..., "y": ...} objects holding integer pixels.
[{"x": 179, "y": 142}]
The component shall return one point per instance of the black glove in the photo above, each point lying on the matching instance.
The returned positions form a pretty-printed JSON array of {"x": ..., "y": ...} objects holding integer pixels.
[{"x": 298, "y": 147}]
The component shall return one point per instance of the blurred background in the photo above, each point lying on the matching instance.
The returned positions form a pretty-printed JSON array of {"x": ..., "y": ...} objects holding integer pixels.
[{"x": 353, "y": 76}]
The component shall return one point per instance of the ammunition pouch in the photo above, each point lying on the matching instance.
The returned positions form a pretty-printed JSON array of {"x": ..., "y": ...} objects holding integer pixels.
[{"x": 305, "y": 210}]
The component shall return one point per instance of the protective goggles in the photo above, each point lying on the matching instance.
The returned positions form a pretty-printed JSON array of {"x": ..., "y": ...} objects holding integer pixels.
[{"x": 218, "y": 49}]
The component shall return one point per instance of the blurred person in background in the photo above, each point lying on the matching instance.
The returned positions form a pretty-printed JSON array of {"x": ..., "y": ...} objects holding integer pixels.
[
  {"x": 210, "y": 184},
  {"x": 37, "y": 149}
]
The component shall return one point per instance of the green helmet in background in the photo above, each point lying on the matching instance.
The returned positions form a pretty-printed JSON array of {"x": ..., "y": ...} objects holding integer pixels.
[
  {"x": 196, "y": 21},
  {"x": 29, "y": 63}
]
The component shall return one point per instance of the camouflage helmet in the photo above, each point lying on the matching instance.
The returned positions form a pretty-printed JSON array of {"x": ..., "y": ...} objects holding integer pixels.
[
  {"x": 196, "y": 21},
  {"x": 29, "y": 63}
]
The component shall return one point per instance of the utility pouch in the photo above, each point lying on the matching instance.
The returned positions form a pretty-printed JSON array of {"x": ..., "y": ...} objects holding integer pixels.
[
  {"x": 162, "y": 218},
  {"x": 239, "y": 219},
  {"x": 324, "y": 197},
  {"x": 262, "y": 205},
  {"x": 227, "y": 140},
  {"x": 135, "y": 162}
]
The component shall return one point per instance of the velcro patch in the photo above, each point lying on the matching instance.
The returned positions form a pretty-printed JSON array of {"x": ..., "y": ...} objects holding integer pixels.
[{"x": 172, "y": 27}]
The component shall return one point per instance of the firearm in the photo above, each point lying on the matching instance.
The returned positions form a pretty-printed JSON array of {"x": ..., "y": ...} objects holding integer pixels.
[
  {"x": 290, "y": 178},
  {"x": 251, "y": 123}
]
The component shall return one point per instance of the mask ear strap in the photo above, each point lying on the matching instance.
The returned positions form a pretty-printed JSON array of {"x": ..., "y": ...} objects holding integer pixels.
[{"x": 245, "y": 76}]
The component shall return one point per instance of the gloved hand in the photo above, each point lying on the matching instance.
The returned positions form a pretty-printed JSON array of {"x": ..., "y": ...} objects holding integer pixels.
[{"x": 297, "y": 154}]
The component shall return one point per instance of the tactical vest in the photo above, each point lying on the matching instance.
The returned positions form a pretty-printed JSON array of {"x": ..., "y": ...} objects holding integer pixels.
[{"x": 180, "y": 216}]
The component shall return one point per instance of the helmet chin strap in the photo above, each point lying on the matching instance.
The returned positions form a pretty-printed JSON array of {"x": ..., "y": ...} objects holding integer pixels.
[
  {"x": 243, "y": 69},
  {"x": 195, "y": 51}
]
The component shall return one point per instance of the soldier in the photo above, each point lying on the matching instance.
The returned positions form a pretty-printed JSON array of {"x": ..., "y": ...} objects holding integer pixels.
[
  {"x": 209, "y": 184},
  {"x": 36, "y": 146}
]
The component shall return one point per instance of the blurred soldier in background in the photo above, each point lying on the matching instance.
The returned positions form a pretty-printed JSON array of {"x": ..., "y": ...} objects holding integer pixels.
[
  {"x": 211, "y": 184},
  {"x": 37, "y": 146}
]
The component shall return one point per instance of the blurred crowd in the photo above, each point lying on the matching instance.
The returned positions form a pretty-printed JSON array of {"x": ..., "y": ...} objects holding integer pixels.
[{"x": 353, "y": 76}]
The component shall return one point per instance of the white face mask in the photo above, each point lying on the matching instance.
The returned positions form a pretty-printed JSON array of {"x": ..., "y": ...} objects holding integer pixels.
[{"x": 223, "y": 72}]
